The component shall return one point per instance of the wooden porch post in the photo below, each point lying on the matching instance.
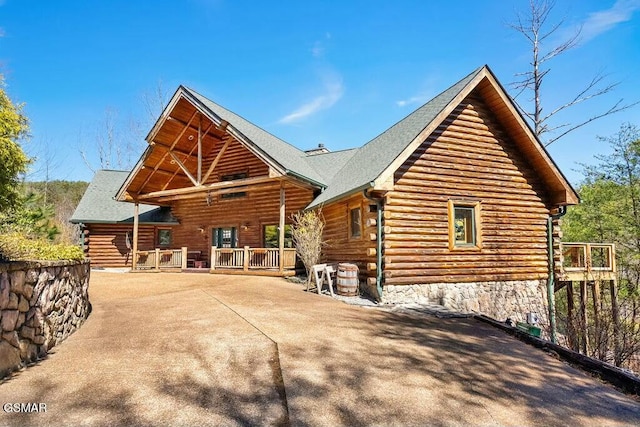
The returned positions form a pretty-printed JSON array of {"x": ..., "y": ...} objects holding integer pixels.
[
  {"x": 584, "y": 343},
  {"x": 617, "y": 349},
  {"x": 595, "y": 291},
  {"x": 281, "y": 228},
  {"x": 571, "y": 330},
  {"x": 136, "y": 212}
]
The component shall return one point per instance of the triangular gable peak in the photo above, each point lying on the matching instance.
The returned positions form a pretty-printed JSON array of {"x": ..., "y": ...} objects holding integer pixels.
[
  {"x": 193, "y": 150},
  {"x": 486, "y": 85}
]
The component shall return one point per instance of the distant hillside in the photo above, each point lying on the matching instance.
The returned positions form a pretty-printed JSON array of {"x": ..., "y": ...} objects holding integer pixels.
[
  {"x": 60, "y": 198},
  {"x": 58, "y": 192}
]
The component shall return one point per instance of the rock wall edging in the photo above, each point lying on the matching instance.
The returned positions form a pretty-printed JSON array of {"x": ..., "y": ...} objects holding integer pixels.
[{"x": 41, "y": 304}]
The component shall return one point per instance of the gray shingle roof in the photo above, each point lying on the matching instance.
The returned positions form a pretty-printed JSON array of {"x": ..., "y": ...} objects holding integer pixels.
[
  {"x": 286, "y": 155},
  {"x": 98, "y": 205},
  {"x": 373, "y": 158},
  {"x": 329, "y": 164}
]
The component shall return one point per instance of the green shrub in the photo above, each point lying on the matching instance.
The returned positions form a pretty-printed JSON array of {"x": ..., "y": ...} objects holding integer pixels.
[{"x": 16, "y": 246}]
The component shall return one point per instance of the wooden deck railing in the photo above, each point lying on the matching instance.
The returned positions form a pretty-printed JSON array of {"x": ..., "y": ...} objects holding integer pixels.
[
  {"x": 588, "y": 260},
  {"x": 162, "y": 258},
  {"x": 248, "y": 258}
]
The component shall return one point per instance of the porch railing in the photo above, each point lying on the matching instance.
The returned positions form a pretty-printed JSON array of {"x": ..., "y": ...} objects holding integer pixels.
[
  {"x": 248, "y": 258},
  {"x": 161, "y": 258},
  {"x": 581, "y": 260}
]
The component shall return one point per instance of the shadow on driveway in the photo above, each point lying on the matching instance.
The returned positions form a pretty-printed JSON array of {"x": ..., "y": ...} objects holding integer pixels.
[{"x": 171, "y": 349}]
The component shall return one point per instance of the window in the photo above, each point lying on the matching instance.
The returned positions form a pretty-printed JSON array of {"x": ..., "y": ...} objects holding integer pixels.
[
  {"x": 233, "y": 195},
  {"x": 163, "y": 237},
  {"x": 226, "y": 237},
  {"x": 355, "y": 223},
  {"x": 271, "y": 236},
  {"x": 234, "y": 176},
  {"x": 464, "y": 225}
]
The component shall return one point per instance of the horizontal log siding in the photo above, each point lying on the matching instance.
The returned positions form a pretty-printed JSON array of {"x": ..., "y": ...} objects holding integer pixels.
[
  {"x": 258, "y": 208},
  {"x": 339, "y": 246},
  {"x": 469, "y": 157},
  {"x": 107, "y": 243}
]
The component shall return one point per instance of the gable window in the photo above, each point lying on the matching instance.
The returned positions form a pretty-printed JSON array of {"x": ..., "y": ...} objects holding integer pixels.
[
  {"x": 355, "y": 222},
  {"x": 163, "y": 237},
  {"x": 235, "y": 195},
  {"x": 464, "y": 225},
  {"x": 234, "y": 176}
]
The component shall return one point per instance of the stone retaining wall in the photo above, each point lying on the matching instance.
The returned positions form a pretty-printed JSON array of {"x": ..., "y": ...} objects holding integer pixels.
[
  {"x": 498, "y": 300},
  {"x": 41, "y": 304}
]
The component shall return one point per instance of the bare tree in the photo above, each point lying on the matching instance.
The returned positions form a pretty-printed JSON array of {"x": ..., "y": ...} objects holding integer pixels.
[
  {"x": 118, "y": 143},
  {"x": 534, "y": 26},
  {"x": 307, "y": 236},
  {"x": 46, "y": 161},
  {"x": 110, "y": 144},
  {"x": 154, "y": 102}
]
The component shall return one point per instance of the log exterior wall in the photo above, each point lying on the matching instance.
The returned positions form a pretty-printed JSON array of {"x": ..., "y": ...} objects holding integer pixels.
[
  {"x": 105, "y": 244},
  {"x": 469, "y": 157},
  {"x": 247, "y": 214},
  {"x": 340, "y": 246}
]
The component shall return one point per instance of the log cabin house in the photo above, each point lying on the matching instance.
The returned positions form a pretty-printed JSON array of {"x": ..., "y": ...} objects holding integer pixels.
[{"x": 453, "y": 203}]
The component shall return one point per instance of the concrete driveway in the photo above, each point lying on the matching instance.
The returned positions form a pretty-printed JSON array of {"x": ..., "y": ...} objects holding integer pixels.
[{"x": 196, "y": 350}]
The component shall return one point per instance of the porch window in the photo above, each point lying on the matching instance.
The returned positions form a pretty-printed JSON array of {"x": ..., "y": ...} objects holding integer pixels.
[
  {"x": 355, "y": 223},
  {"x": 225, "y": 237},
  {"x": 464, "y": 225},
  {"x": 163, "y": 237},
  {"x": 271, "y": 236}
]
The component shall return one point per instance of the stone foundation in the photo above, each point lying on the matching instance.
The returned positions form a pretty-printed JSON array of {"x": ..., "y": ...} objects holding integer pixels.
[
  {"x": 499, "y": 300},
  {"x": 41, "y": 304}
]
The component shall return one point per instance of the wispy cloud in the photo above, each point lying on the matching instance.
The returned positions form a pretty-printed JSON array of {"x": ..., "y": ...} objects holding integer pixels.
[
  {"x": 602, "y": 21},
  {"x": 318, "y": 48},
  {"x": 418, "y": 99},
  {"x": 333, "y": 90}
]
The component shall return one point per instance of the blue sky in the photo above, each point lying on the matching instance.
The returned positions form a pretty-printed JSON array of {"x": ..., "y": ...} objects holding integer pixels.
[{"x": 310, "y": 72}]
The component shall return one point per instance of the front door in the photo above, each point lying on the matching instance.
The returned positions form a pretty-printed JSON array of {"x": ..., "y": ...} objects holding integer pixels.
[{"x": 224, "y": 237}]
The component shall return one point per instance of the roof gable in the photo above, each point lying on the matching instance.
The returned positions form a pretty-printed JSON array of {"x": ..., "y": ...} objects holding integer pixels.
[
  {"x": 374, "y": 164},
  {"x": 197, "y": 129},
  {"x": 280, "y": 153},
  {"x": 375, "y": 157}
]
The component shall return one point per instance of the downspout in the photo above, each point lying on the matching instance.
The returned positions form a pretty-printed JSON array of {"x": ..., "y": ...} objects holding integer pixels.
[
  {"x": 378, "y": 203},
  {"x": 551, "y": 300}
]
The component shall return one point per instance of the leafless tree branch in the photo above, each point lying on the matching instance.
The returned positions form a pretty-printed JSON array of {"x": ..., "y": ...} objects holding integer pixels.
[
  {"x": 536, "y": 29},
  {"x": 612, "y": 110}
]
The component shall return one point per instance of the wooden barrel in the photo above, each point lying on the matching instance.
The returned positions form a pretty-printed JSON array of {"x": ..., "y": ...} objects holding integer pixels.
[{"x": 347, "y": 280}]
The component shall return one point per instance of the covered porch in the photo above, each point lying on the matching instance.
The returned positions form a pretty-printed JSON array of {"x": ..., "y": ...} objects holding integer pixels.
[{"x": 232, "y": 201}]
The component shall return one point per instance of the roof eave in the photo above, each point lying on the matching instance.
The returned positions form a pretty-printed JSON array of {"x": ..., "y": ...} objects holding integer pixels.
[
  {"x": 384, "y": 176},
  {"x": 333, "y": 199},
  {"x": 306, "y": 179}
]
